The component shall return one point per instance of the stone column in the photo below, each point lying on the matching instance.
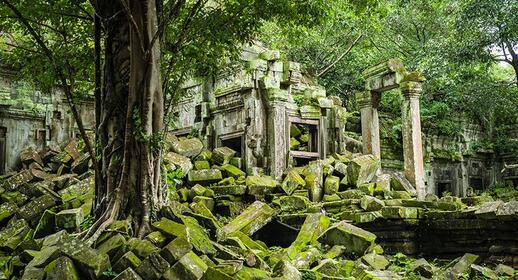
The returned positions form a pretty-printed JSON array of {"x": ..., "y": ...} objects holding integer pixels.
[
  {"x": 369, "y": 101},
  {"x": 412, "y": 143}
]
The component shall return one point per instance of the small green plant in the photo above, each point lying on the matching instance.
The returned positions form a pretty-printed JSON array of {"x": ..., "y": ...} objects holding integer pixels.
[
  {"x": 87, "y": 222},
  {"x": 110, "y": 273}
]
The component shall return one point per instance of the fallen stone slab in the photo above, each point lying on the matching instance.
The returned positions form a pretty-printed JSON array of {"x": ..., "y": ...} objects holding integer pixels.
[
  {"x": 152, "y": 267},
  {"x": 292, "y": 182},
  {"x": 176, "y": 249},
  {"x": 370, "y": 203},
  {"x": 362, "y": 170},
  {"x": 423, "y": 268},
  {"x": 461, "y": 266},
  {"x": 314, "y": 225},
  {"x": 355, "y": 239},
  {"x": 204, "y": 176},
  {"x": 189, "y": 267},
  {"x": 222, "y": 155},
  {"x": 249, "y": 221},
  {"x": 128, "y": 260},
  {"x": 14, "y": 234},
  {"x": 189, "y": 147},
  {"x": 173, "y": 161},
  {"x": 398, "y": 182},
  {"x": 61, "y": 269},
  {"x": 128, "y": 274}
]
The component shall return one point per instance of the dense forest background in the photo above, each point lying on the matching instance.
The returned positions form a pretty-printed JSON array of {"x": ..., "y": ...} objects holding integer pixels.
[{"x": 467, "y": 50}]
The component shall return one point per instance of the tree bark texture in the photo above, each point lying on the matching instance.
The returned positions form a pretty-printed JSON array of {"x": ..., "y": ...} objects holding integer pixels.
[{"x": 131, "y": 117}]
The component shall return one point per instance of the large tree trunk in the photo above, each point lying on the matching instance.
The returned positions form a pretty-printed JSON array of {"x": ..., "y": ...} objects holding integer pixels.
[{"x": 131, "y": 117}]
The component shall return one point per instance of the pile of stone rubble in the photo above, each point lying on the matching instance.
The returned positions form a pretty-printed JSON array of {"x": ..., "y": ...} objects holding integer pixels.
[{"x": 223, "y": 223}]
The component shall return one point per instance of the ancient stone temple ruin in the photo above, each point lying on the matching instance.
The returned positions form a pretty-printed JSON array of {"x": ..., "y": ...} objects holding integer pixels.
[
  {"x": 30, "y": 118},
  {"x": 383, "y": 77},
  {"x": 269, "y": 111}
]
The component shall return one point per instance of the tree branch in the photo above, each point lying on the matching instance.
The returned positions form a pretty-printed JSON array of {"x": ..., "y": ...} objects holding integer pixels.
[{"x": 327, "y": 68}]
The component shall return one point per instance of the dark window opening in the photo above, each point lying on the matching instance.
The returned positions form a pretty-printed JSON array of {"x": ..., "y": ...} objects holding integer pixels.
[
  {"x": 443, "y": 188},
  {"x": 476, "y": 184},
  {"x": 299, "y": 161},
  {"x": 303, "y": 137},
  {"x": 235, "y": 143},
  {"x": 197, "y": 113}
]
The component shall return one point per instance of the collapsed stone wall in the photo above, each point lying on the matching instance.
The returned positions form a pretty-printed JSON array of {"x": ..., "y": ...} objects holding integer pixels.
[{"x": 221, "y": 223}]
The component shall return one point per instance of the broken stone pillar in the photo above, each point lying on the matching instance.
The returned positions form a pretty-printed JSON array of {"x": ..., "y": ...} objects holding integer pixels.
[
  {"x": 277, "y": 135},
  {"x": 369, "y": 101},
  {"x": 411, "y": 127}
]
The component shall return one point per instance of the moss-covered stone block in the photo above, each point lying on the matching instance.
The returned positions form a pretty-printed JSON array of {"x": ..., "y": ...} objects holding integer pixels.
[
  {"x": 222, "y": 155},
  {"x": 370, "y": 203},
  {"x": 61, "y": 269},
  {"x": 152, "y": 267},
  {"x": 204, "y": 177},
  {"x": 189, "y": 267},
  {"x": 69, "y": 219},
  {"x": 201, "y": 164},
  {"x": 128, "y": 260},
  {"x": 331, "y": 185},
  {"x": 232, "y": 171},
  {"x": 176, "y": 249},
  {"x": 292, "y": 182},
  {"x": 128, "y": 274},
  {"x": 362, "y": 170},
  {"x": 13, "y": 234},
  {"x": 355, "y": 239},
  {"x": 314, "y": 225},
  {"x": 249, "y": 221}
]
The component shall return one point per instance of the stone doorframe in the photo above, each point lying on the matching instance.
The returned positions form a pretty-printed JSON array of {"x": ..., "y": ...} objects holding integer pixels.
[{"x": 383, "y": 77}]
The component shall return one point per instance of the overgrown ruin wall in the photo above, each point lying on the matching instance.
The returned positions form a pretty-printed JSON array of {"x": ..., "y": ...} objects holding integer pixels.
[{"x": 29, "y": 118}]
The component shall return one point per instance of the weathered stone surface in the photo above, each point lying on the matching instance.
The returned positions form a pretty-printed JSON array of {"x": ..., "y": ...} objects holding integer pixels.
[
  {"x": 315, "y": 180},
  {"x": 189, "y": 267},
  {"x": 33, "y": 273},
  {"x": 128, "y": 274},
  {"x": 128, "y": 260},
  {"x": 111, "y": 245},
  {"x": 204, "y": 177},
  {"x": 157, "y": 238},
  {"x": 152, "y": 267},
  {"x": 461, "y": 266},
  {"x": 201, "y": 164},
  {"x": 375, "y": 261},
  {"x": 61, "y": 269},
  {"x": 293, "y": 202},
  {"x": 367, "y": 217},
  {"x": 292, "y": 182},
  {"x": 504, "y": 270},
  {"x": 370, "y": 203},
  {"x": 355, "y": 239},
  {"x": 197, "y": 236},
  {"x": 36, "y": 207},
  {"x": 249, "y": 221},
  {"x": 285, "y": 270},
  {"x": 190, "y": 147},
  {"x": 488, "y": 210},
  {"x": 176, "y": 249},
  {"x": 173, "y": 161},
  {"x": 362, "y": 170},
  {"x": 399, "y": 182},
  {"x": 378, "y": 275},
  {"x": 13, "y": 234},
  {"x": 229, "y": 190},
  {"x": 69, "y": 219},
  {"x": 142, "y": 248},
  {"x": 480, "y": 272},
  {"x": 314, "y": 225},
  {"x": 88, "y": 260},
  {"x": 222, "y": 155},
  {"x": 232, "y": 171},
  {"x": 398, "y": 212},
  {"x": 423, "y": 268},
  {"x": 331, "y": 185},
  {"x": 7, "y": 210},
  {"x": 260, "y": 185}
]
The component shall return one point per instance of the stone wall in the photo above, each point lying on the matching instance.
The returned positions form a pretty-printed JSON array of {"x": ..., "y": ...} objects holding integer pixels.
[{"x": 29, "y": 118}]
